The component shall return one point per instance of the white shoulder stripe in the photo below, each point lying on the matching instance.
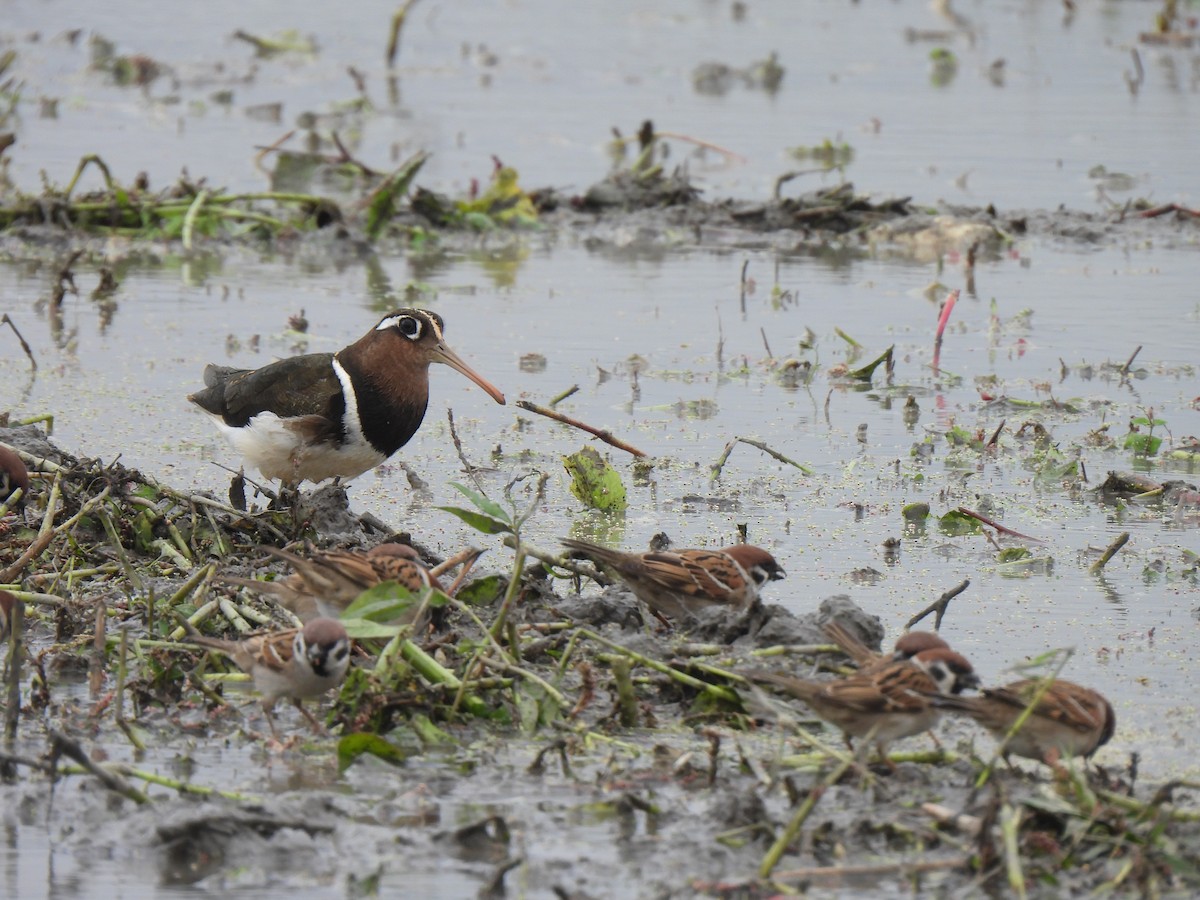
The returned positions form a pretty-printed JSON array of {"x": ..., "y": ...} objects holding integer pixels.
[{"x": 350, "y": 418}]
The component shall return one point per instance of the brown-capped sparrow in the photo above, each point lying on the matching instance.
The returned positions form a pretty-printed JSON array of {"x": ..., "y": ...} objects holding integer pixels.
[
  {"x": 328, "y": 581},
  {"x": 908, "y": 645},
  {"x": 297, "y": 663},
  {"x": 678, "y": 583},
  {"x": 886, "y": 704},
  {"x": 1069, "y": 719}
]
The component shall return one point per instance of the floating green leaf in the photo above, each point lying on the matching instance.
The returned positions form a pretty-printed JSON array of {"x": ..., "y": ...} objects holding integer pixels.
[
  {"x": 594, "y": 481},
  {"x": 352, "y": 746},
  {"x": 955, "y": 523}
]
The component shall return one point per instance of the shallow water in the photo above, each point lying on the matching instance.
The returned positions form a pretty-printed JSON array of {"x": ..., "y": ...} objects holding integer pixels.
[
  {"x": 586, "y": 311},
  {"x": 541, "y": 91}
]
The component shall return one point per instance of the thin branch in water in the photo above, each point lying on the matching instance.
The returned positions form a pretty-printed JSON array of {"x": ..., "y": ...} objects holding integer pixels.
[
  {"x": 605, "y": 436},
  {"x": 717, "y": 466},
  {"x": 5, "y": 320},
  {"x": 1098, "y": 565},
  {"x": 559, "y": 398},
  {"x": 467, "y": 467},
  {"x": 776, "y": 454},
  {"x": 999, "y": 528},
  {"x": 1129, "y": 362},
  {"x": 61, "y": 745},
  {"x": 991, "y": 442},
  {"x": 763, "y": 332},
  {"x": 742, "y": 286},
  {"x": 938, "y": 606}
]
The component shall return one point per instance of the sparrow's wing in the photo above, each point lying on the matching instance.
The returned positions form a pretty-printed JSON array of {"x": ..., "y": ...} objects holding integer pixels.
[
  {"x": 275, "y": 650},
  {"x": 898, "y": 688},
  {"x": 706, "y": 574},
  {"x": 1065, "y": 703},
  {"x": 406, "y": 573}
]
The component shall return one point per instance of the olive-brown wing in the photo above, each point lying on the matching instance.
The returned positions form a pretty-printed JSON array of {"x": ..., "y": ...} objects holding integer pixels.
[{"x": 291, "y": 388}]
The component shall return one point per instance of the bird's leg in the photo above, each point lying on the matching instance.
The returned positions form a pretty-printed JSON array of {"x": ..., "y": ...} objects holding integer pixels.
[
  {"x": 317, "y": 727},
  {"x": 267, "y": 710}
]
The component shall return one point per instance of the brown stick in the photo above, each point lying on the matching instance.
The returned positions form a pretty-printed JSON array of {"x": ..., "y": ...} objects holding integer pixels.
[
  {"x": 467, "y": 467},
  {"x": 5, "y": 320},
  {"x": 606, "y": 436},
  {"x": 1167, "y": 208},
  {"x": 61, "y": 745},
  {"x": 872, "y": 869},
  {"x": 1129, "y": 362},
  {"x": 1000, "y": 528},
  {"x": 775, "y": 453},
  {"x": 938, "y": 606}
]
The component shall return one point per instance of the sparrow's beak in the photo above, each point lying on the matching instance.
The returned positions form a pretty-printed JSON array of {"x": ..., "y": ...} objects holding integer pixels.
[
  {"x": 443, "y": 354},
  {"x": 778, "y": 574}
]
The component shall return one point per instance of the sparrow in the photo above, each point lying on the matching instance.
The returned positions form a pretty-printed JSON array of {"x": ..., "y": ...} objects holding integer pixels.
[
  {"x": 334, "y": 415},
  {"x": 326, "y": 582},
  {"x": 678, "y": 583},
  {"x": 908, "y": 645},
  {"x": 13, "y": 475},
  {"x": 1069, "y": 719},
  {"x": 297, "y": 663},
  {"x": 891, "y": 702}
]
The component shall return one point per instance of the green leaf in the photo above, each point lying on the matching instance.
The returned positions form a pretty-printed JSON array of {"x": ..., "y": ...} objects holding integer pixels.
[
  {"x": 478, "y": 521},
  {"x": 366, "y": 630},
  {"x": 483, "y": 591},
  {"x": 352, "y": 746},
  {"x": 389, "y": 602},
  {"x": 383, "y": 202},
  {"x": 482, "y": 502},
  {"x": 955, "y": 523},
  {"x": 594, "y": 481},
  {"x": 868, "y": 371}
]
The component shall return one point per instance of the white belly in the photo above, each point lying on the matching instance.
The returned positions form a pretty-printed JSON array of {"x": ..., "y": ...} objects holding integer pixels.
[{"x": 278, "y": 452}]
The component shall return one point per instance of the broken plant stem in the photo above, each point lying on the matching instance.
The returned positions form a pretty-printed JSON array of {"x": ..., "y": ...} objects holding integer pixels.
[
  {"x": 5, "y": 320},
  {"x": 61, "y": 745},
  {"x": 560, "y": 561},
  {"x": 999, "y": 528},
  {"x": 1098, "y": 566},
  {"x": 462, "y": 456},
  {"x": 559, "y": 398},
  {"x": 509, "y": 669},
  {"x": 16, "y": 651},
  {"x": 716, "y": 467},
  {"x": 776, "y": 454},
  {"x": 433, "y": 671},
  {"x": 777, "y": 849},
  {"x": 719, "y": 692},
  {"x": 939, "y": 606},
  {"x": 606, "y": 436}
]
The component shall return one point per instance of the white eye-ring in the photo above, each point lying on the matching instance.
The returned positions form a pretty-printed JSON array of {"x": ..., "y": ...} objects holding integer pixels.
[{"x": 409, "y": 326}]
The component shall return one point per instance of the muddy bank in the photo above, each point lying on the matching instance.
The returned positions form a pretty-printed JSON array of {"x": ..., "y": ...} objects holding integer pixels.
[{"x": 532, "y": 776}]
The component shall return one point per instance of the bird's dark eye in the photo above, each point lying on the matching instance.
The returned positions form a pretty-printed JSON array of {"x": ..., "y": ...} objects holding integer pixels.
[
  {"x": 760, "y": 576},
  {"x": 341, "y": 653},
  {"x": 410, "y": 327}
]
